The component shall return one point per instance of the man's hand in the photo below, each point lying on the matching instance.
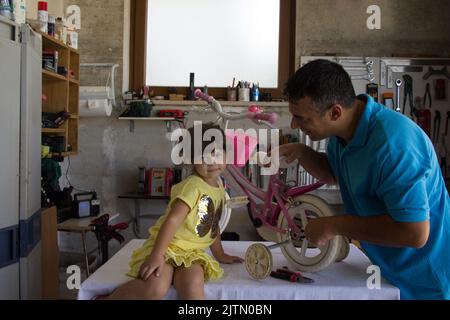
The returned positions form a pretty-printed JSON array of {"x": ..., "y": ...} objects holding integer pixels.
[
  {"x": 291, "y": 151},
  {"x": 153, "y": 264},
  {"x": 227, "y": 259},
  {"x": 319, "y": 231}
]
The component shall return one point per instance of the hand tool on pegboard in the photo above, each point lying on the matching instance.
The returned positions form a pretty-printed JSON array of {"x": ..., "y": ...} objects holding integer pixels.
[
  {"x": 408, "y": 93},
  {"x": 398, "y": 84},
  {"x": 437, "y": 126},
  {"x": 426, "y": 96}
]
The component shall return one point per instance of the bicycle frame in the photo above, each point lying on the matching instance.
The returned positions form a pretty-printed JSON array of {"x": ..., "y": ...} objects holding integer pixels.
[
  {"x": 277, "y": 189},
  {"x": 269, "y": 212}
]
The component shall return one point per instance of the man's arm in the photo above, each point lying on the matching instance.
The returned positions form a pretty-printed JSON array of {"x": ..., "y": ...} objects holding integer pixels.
[
  {"x": 381, "y": 230},
  {"x": 316, "y": 163}
]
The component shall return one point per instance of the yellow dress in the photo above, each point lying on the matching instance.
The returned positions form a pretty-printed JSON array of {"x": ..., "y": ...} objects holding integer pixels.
[{"x": 198, "y": 231}]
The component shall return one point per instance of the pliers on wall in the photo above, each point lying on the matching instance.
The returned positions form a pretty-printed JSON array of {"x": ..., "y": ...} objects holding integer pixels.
[
  {"x": 426, "y": 96},
  {"x": 408, "y": 95},
  {"x": 437, "y": 126}
]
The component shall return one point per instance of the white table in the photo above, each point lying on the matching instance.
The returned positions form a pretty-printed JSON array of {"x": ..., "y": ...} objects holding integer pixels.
[{"x": 346, "y": 280}]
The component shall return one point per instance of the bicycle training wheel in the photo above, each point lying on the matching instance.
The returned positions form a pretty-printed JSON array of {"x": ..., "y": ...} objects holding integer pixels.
[
  {"x": 258, "y": 261},
  {"x": 301, "y": 254},
  {"x": 344, "y": 250}
]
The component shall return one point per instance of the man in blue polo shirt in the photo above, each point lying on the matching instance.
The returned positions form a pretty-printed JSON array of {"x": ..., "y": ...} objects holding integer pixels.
[{"x": 389, "y": 176}]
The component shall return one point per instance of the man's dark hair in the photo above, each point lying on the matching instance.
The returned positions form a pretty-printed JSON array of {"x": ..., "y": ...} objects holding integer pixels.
[
  {"x": 325, "y": 82},
  {"x": 205, "y": 127}
]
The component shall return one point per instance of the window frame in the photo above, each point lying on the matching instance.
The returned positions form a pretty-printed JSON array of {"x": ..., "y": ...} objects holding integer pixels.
[{"x": 138, "y": 45}]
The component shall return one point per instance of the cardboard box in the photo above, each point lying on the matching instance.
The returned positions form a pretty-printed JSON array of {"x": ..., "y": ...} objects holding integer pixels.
[{"x": 176, "y": 97}]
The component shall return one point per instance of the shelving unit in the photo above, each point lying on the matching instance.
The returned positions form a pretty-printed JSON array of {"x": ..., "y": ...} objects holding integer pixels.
[
  {"x": 62, "y": 93},
  {"x": 166, "y": 119}
]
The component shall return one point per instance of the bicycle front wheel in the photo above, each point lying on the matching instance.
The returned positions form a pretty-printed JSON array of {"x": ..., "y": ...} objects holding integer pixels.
[{"x": 301, "y": 254}]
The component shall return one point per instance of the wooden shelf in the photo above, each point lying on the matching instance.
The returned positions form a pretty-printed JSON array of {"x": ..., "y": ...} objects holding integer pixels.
[
  {"x": 149, "y": 119},
  {"x": 53, "y": 75},
  {"x": 64, "y": 154},
  {"x": 52, "y": 39},
  {"x": 187, "y": 103},
  {"x": 53, "y": 130},
  {"x": 62, "y": 92},
  {"x": 72, "y": 50}
]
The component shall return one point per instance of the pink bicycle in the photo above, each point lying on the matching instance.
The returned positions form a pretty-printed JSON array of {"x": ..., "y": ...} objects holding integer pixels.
[{"x": 280, "y": 213}]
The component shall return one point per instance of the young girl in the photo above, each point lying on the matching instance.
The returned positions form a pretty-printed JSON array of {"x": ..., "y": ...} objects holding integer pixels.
[{"x": 175, "y": 252}]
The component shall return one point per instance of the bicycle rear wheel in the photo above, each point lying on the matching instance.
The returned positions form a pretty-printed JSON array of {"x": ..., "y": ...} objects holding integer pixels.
[{"x": 301, "y": 254}]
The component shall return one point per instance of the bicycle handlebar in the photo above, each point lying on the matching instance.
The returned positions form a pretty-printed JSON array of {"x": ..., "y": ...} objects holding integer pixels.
[
  {"x": 203, "y": 96},
  {"x": 269, "y": 117},
  {"x": 264, "y": 118}
]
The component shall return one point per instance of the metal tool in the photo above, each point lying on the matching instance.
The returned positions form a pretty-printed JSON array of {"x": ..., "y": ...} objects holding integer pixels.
[
  {"x": 408, "y": 93},
  {"x": 289, "y": 275},
  {"x": 437, "y": 126},
  {"x": 426, "y": 96},
  {"x": 432, "y": 72},
  {"x": 398, "y": 84}
]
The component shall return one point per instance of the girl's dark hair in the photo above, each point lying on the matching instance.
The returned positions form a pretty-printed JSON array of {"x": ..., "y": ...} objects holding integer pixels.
[
  {"x": 205, "y": 127},
  {"x": 325, "y": 82}
]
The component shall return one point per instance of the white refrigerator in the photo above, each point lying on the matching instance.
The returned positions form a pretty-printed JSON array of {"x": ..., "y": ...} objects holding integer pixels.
[{"x": 20, "y": 164}]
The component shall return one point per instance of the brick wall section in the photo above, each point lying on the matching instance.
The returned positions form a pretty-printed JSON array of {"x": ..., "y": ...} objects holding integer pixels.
[
  {"x": 408, "y": 27},
  {"x": 100, "y": 38}
]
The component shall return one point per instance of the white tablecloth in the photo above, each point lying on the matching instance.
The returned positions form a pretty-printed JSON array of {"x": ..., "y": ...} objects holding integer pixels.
[{"x": 344, "y": 280}]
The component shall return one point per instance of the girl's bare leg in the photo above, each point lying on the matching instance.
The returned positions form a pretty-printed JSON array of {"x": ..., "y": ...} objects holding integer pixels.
[
  {"x": 155, "y": 288},
  {"x": 190, "y": 282}
]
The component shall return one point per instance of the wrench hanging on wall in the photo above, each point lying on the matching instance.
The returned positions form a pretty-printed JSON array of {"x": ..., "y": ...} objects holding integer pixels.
[{"x": 398, "y": 84}]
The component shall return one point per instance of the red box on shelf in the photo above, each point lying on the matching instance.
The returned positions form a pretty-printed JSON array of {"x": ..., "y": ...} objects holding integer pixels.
[{"x": 159, "y": 182}]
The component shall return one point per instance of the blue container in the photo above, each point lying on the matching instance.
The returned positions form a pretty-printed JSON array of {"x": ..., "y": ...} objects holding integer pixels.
[{"x": 255, "y": 94}]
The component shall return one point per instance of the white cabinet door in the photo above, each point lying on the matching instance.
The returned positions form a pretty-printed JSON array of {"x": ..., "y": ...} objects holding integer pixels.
[{"x": 9, "y": 157}]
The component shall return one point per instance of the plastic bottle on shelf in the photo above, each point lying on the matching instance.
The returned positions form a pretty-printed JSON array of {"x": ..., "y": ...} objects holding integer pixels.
[
  {"x": 61, "y": 30},
  {"x": 20, "y": 11},
  {"x": 59, "y": 25},
  {"x": 51, "y": 25},
  {"x": 43, "y": 16}
]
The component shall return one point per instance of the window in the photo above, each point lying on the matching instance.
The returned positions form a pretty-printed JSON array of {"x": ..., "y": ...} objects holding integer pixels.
[{"x": 218, "y": 40}]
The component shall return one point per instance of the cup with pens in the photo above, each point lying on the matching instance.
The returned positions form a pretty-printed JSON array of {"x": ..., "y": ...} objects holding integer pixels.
[
  {"x": 244, "y": 91},
  {"x": 231, "y": 92}
]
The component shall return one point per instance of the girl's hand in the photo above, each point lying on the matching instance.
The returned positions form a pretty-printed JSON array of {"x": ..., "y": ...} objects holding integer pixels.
[
  {"x": 225, "y": 258},
  {"x": 153, "y": 264}
]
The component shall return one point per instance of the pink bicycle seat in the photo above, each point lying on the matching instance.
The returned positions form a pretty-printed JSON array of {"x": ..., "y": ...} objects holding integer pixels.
[{"x": 243, "y": 146}]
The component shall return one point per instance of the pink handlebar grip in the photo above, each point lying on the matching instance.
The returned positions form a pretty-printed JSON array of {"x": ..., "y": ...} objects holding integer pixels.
[
  {"x": 269, "y": 117},
  {"x": 199, "y": 94}
]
